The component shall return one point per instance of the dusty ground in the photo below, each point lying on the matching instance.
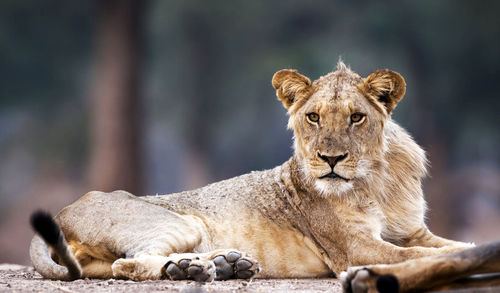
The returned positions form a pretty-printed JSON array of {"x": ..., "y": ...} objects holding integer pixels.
[{"x": 17, "y": 278}]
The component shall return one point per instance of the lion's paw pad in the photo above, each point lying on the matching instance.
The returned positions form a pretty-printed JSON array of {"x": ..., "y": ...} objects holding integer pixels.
[
  {"x": 235, "y": 265},
  {"x": 193, "y": 269}
]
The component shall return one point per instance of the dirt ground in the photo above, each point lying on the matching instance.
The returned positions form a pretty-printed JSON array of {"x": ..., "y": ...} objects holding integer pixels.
[{"x": 17, "y": 278}]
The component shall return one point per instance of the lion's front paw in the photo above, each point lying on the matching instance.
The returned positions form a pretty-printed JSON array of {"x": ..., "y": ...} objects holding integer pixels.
[
  {"x": 197, "y": 269},
  {"x": 235, "y": 265},
  {"x": 364, "y": 280}
]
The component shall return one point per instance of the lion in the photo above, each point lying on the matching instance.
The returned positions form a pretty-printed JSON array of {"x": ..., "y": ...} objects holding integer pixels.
[{"x": 349, "y": 197}]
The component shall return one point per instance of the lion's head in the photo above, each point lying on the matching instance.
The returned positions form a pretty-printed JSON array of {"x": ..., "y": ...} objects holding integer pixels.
[{"x": 338, "y": 122}]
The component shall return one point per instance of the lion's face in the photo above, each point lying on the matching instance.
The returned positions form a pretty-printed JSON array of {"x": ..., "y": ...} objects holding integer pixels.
[{"x": 338, "y": 124}]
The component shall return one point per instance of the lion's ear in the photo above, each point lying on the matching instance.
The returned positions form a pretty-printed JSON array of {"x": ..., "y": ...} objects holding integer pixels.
[
  {"x": 291, "y": 86},
  {"x": 386, "y": 87}
]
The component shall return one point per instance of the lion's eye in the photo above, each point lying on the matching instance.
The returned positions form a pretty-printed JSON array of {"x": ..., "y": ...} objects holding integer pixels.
[
  {"x": 313, "y": 117},
  {"x": 357, "y": 117}
]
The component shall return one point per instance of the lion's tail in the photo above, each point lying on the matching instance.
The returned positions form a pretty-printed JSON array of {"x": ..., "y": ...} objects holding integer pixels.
[{"x": 49, "y": 234}]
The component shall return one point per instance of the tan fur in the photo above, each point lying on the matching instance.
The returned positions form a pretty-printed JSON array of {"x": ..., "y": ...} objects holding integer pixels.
[{"x": 294, "y": 223}]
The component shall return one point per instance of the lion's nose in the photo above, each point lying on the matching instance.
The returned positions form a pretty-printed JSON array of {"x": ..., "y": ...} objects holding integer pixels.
[{"x": 332, "y": 160}]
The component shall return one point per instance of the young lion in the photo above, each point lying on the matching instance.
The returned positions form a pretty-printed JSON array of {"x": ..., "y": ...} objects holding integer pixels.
[{"x": 349, "y": 196}]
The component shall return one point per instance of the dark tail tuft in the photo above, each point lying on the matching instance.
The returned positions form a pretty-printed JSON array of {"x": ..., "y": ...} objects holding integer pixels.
[{"x": 44, "y": 224}]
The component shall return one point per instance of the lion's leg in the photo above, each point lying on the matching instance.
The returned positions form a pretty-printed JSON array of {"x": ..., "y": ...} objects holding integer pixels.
[
  {"x": 474, "y": 281},
  {"x": 145, "y": 259},
  {"x": 146, "y": 267},
  {"x": 148, "y": 263},
  {"x": 193, "y": 266},
  {"x": 225, "y": 264},
  {"x": 425, "y": 238},
  {"x": 384, "y": 256},
  {"x": 366, "y": 250},
  {"x": 423, "y": 273},
  {"x": 218, "y": 264}
]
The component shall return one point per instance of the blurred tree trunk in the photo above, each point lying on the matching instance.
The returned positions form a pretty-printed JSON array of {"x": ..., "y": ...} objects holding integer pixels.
[
  {"x": 115, "y": 159},
  {"x": 436, "y": 187},
  {"x": 199, "y": 36}
]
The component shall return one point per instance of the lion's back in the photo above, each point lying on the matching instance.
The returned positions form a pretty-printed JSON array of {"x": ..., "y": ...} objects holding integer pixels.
[{"x": 240, "y": 192}]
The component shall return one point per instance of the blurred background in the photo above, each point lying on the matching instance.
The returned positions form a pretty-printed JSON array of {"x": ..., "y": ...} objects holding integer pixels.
[{"x": 162, "y": 96}]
